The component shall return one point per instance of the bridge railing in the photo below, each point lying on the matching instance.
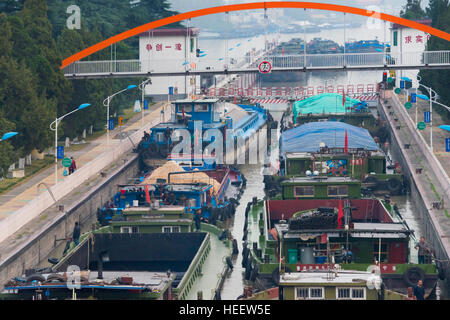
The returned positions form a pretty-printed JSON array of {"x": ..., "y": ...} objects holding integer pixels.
[
  {"x": 312, "y": 61},
  {"x": 110, "y": 66},
  {"x": 437, "y": 57}
]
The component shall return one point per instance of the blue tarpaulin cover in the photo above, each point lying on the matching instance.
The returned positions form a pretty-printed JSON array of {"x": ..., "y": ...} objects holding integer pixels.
[
  {"x": 323, "y": 103},
  {"x": 307, "y": 137}
]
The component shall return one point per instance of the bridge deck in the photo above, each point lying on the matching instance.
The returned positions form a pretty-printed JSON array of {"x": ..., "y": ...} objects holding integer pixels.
[{"x": 289, "y": 63}]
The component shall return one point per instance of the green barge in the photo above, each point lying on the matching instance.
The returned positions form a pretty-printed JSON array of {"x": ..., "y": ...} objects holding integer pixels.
[
  {"x": 300, "y": 236},
  {"x": 150, "y": 253}
]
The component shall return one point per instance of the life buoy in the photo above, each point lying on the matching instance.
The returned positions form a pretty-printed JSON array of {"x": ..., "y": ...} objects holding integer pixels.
[{"x": 413, "y": 275}]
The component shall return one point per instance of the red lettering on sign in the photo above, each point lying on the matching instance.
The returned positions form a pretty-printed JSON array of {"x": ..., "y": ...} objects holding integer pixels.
[
  {"x": 419, "y": 39},
  {"x": 178, "y": 46},
  {"x": 408, "y": 39},
  {"x": 159, "y": 47},
  {"x": 149, "y": 47}
]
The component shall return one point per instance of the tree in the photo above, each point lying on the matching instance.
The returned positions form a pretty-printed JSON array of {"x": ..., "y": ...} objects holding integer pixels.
[
  {"x": 19, "y": 100},
  {"x": 439, "y": 11},
  {"x": 7, "y": 154},
  {"x": 11, "y": 6},
  {"x": 35, "y": 46},
  {"x": 413, "y": 10}
]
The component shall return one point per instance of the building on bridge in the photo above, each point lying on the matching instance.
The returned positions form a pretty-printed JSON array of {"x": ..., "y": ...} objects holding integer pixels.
[
  {"x": 409, "y": 44},
  {"x": 169, "y": 50}
]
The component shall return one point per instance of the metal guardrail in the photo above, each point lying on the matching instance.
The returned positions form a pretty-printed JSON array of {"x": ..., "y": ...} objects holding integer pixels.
[{"x": 248, "y": 63}]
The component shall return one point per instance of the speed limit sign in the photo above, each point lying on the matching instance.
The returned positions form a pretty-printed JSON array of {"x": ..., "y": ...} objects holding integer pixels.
[{"x": 265, "y": 67}]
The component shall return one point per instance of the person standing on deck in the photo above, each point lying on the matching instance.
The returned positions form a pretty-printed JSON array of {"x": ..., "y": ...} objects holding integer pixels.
[
  {"x": 419, "y": 291},
  {"x": 423, "y": 250},
  {"x": 76, "y": 233}
]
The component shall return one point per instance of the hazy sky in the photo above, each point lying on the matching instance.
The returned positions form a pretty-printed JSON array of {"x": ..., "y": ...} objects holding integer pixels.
[
  {"x": 281, "y": 17},
  {"x": 393, "y": 6}
]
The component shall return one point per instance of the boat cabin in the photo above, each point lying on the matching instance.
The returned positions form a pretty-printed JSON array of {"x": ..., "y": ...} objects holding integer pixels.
[
  {"x": 330, "y": 285},
  {"x": 311, "y": 233},
  {"x": 320, "y": 187}
]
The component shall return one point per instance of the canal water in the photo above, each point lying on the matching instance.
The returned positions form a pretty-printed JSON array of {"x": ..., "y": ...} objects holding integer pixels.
[{"x": 234, "y": 284}]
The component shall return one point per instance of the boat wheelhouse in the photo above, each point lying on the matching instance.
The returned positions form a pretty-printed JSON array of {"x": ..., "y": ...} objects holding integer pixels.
[
  {"x": 203, "y": 120},
  {"x": 327, "y": 150}
]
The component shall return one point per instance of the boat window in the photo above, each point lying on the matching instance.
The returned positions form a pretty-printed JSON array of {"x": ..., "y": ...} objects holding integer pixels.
[
  {"x": 201, "y": 108},
  {"x": 343, "y": 293},
  {"x": 302, "y": 293},
  {"x": 169, "y": 229},
  {"x": 337, "y": 190},
  {"x": 125, "y": 230},
  {"x": 376, "y": 253},
  {"x": 358, "y": 293},
  {"x": 304, "y": 191},
  {"x": 395, "y": 38},
  {"x": 129, "y": 229},
  {"x": 185, "y": 108},
  {"x": 160, "y": 137},
  {"x": 316, "y": 293}
]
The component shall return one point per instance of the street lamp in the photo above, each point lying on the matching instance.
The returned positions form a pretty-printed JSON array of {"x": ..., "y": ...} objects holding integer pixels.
[
  {"x": 424, "y": 97},
  {"x": 54, "y": 127},
  {"x": 106, "y": 104},
  {"x": 142, "y": 88},
  {"x": 8, "y": 135}
]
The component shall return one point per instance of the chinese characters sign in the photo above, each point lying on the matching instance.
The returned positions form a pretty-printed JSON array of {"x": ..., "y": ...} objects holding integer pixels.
[
  {"x": 416, "y": 39},
  {"x": 160, "y": 47}
]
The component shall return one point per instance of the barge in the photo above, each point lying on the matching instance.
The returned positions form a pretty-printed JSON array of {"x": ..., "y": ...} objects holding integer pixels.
[
  {"x": 298, "y": 236},
  {"x": 201, "y": 122},
  {"x": 150, "y": 253}
]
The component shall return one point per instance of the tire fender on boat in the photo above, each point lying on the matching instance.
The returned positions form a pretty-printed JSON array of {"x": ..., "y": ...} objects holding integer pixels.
[
  {"x": 412, "y": 275},
  {"x": 394, "y": 186}
]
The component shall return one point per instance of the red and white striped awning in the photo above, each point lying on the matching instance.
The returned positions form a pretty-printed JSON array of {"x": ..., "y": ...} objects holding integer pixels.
[
  {"x": 269, "y": 101},
  {"x": 366, "y": 97}
]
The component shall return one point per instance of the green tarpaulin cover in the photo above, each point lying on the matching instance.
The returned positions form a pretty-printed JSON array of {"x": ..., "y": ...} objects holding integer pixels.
[{"x": 323, "y": 103}]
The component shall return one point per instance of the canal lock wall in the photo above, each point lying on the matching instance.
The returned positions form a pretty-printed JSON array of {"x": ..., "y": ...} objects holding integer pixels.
[
  {"x": 46, "y": 244},
  {"x": 430, "y": 233}
]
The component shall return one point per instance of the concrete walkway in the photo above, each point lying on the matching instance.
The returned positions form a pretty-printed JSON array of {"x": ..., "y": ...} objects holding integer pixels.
[
  {"x": 19, "y": 196},
  {"x": 431, "y": 182},
  {"x": 439, "y": 135}
]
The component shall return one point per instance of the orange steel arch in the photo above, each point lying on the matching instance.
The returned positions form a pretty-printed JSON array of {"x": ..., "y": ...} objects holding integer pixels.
[{"x": 251, "y": 6}]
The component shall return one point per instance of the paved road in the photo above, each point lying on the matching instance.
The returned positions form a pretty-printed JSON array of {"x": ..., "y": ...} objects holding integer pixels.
[
  {"x": 439, "y": 135},
  {"x": 432, "y": 182},
  {"x": 19, "y": 196}
]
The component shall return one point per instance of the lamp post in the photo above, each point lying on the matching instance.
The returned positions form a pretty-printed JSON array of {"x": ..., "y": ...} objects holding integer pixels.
[
  {"x": 142, "y": 88},
  {"x": 106, "y": 104},
  {"x": 54, "y": 127}
]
